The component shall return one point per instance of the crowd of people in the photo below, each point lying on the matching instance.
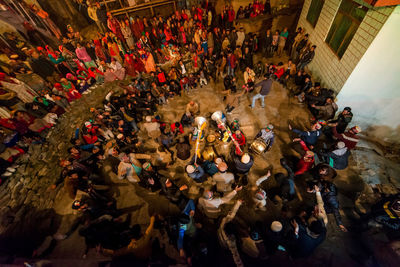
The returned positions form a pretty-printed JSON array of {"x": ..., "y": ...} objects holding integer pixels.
[{"x": 163, "y": 58}]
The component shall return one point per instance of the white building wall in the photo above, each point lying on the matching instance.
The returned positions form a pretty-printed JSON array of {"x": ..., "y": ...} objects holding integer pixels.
[
  {"x": 326, "y": 66},
  {"x": 373, "y": 88}
]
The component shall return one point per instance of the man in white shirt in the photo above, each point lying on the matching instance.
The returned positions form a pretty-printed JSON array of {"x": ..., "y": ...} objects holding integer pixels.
[
  {"x": 223, "y": 179},
  {"x": 211, "y": 205}
]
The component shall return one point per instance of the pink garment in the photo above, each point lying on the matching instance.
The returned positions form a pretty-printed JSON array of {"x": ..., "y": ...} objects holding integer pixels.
[{"x": 82, "y": 54}]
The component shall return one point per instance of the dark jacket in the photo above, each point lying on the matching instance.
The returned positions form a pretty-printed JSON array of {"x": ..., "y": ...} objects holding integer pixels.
[
  {"x": 242, "y": 167},
  {"x": 43, "y": 67},
  {"x": 340, "y": 158},
  {"x": 101, "y": 15},
  {"x": 265, "y": 86},
  {"x": 309, "y": 137},
  {"x": 172, "y": 193},
  {"x": 305, "y": 244},
  {"x": 331, "y": 203},
  {"x": 308, "y": 57}
]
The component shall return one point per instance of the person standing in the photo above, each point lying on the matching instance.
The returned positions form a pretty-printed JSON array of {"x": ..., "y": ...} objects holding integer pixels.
[
  {"x": 102, "y": 17},
  {"x": 266, "y": 85},
  {"x": 83, "y": 55},
  {"x": 92, "y": 12},
  {"x": 282, "y": 41},
  {"x": 307, "y": 58}
]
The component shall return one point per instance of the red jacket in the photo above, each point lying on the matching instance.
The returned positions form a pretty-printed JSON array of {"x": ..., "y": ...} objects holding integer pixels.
[
  {"x": 180, "y": 128},
  {"x": 232, "y": 61},
  {"x": 161, "y": 77},
  {"x": 349, "y": 139},
  {"x": 241, "y": 140},
  {"x": 231, "y": 15},
  {"x": 303, "y": 165}
]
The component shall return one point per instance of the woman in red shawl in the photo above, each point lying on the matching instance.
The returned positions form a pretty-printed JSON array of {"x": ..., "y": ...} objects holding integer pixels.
[
  {"x": 70, "y": 90},
  {"x": 98, "y": 49},
  {"x": 129, "y": 65},
  {"x": 113, "y": 25},
  {"x": 138, "y": 64},
  {"x": 168, "y": 34}
]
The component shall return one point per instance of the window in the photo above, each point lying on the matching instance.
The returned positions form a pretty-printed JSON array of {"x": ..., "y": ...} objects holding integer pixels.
[
  {"x": 344, "y": 26},
  {"x": 314, "y": 11}
]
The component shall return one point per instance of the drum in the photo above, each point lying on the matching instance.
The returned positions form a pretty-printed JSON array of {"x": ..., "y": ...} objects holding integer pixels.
[
  {"x": 258, "y": 146},
  {"x": 211, "y": 138}
]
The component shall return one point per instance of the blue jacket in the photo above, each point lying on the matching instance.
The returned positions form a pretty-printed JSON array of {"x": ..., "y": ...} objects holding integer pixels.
[
  {"x": 197, "y": 174},
  {"x": 309, "y": 137}
]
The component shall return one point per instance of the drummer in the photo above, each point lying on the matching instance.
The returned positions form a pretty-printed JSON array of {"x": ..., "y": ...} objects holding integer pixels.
[{"x": 267, "y": 136}]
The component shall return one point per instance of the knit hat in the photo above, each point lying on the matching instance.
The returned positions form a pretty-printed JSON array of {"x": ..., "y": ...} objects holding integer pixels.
[
  {"x": 190, "y": 169},
  {"x": 88, "y": 124},
  {"x": 356, "y": 129},
  {"x": 222, "y": 167},
  {"x": 261, "y": 195},
  {"x": 341, "y": 145},
  {"x": 245, "y": 158},
  {"x": 148, "y": 118},
  {"x": 318, "y": 126},
  {"x": 146, "y": 165},
  {"x": 276, "y": 226}
]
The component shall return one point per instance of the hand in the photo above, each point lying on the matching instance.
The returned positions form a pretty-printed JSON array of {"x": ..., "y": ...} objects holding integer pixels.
[
  {"x": 191, "y": 213},
  {"x": 238, "y": 188},
  {"x": 313, "y": 105},
  {"x": 269, "y": 173},
  {"x": 52, "y": 187},
  {"x": 296, "y": 140},
  {"x": 290, "y": 127},
  {"x": 316, "y": 188},
  {"x": 183, "y": 187},
  {"x": 342, "y": 228},
  {"x": 294, "y": 224},
  {"x": 182, "y": 253},
  {"x": 241, "y": 201}
]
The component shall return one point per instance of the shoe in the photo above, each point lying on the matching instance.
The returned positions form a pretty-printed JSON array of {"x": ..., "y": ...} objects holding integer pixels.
[
  {"x": 11, "y": 169},
  {"x": 59, "y": 236},
  {"x": 6, "y": 174}
]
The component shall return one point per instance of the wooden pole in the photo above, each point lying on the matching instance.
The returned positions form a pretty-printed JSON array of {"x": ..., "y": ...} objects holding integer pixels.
[{"x": 105, "y": 3}]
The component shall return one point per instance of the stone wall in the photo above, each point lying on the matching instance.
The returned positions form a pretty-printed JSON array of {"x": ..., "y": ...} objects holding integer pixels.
[{"x": 326, "y": 66}]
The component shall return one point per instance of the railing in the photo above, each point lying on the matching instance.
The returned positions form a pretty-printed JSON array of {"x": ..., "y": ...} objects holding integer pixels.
[{"x": 149, "y": 5}]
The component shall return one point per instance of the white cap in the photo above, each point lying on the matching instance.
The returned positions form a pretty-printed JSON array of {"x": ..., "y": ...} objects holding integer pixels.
[
  {"x": 341, "y": 144},
  {"x": 245, "y": 158},
  {"x": 190, "y": 169},
  {"x": 276, "y": 226}
]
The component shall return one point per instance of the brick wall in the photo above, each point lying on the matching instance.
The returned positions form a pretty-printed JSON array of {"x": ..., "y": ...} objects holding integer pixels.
[{"x": 326, "y": 66}]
